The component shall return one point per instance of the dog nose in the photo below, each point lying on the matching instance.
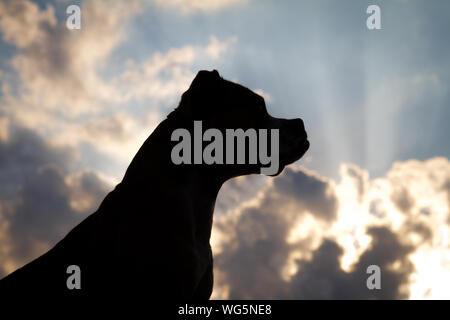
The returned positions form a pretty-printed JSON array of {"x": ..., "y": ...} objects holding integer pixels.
[{"x": 297, "y": 126}]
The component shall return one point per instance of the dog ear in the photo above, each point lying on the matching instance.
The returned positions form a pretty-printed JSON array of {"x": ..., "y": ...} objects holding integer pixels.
[
  {"x": 204, "y": 93},
  {"x": 203, "y": 77},
  {"x": 196, "y": 103},
  {"x": 205, "y": 82}
]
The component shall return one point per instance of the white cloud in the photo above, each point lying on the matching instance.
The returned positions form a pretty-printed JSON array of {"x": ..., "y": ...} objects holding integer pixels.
[
  {"x": 58, "y": 68},
  {"x": 164, "y": 76},
  {"x": 267, "y": 97},
  {"x": 188, "y": 6},
  {"x": 216, "y": 48}
]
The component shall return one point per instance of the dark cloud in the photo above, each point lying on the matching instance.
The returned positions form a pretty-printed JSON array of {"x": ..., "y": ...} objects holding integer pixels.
[
  {"x": 421, "y": 229},
  {"x": 257, "y": 240},
  {"x": 22, "y": 154},
  {"x": 402, "y": 200},
  {"x": 252, "y": 262},
  {"x": 41, "y": 212},
  {"x": 323, "y": 278},
  {"x": 35, "y": 196},
  {"x": 311, "y": 192},
  {"x": 236, "y": 191}
]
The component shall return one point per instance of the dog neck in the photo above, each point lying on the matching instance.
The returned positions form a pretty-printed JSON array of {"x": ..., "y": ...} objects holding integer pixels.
[{"x": 200, "y": 184}]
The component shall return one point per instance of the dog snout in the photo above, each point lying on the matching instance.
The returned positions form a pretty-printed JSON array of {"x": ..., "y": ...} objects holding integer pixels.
[{"x": 296, "y": 128}]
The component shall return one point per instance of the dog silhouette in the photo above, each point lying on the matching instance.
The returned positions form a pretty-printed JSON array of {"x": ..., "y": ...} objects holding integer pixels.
[{"x": 151, "y": 234}]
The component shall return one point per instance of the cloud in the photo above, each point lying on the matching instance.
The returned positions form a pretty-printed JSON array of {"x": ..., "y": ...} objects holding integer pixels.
[
  {"x": 164, "y": 76},
  {"x": 189, "y": 6},
  {"x": 257, "y": 234},
  {"x": 446, "y": 188},
  {"x": 303, "y": 236},
  {"x": 236, "y": 192},
  {"x": 4, "y": 125},
  {"x": 267, "y": 97},
  {"x": 65, "y": 63},
  {"x": 217, "y": 48},
  {"x": 402, "y": 199},
  {"x": 309, "y": 191},
  {"x": 61, "y": 91},
  {"x": 323, "y": 278},
  {"x": 42, "y": 199}
]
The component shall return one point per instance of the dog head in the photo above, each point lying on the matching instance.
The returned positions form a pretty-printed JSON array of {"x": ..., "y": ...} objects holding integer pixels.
[{"x": 223, "y": 105}]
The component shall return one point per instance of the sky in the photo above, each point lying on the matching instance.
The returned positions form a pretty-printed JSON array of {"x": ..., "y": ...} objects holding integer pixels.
[{"x": 374, "y": 187}]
